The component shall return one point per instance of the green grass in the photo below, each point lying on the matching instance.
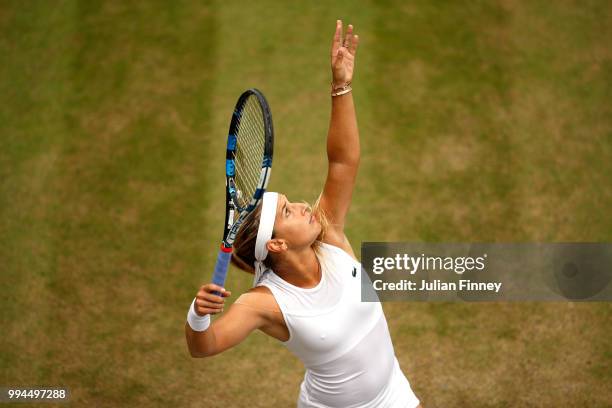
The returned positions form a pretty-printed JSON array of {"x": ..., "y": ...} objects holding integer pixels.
[{"x": 479, "y": 122}]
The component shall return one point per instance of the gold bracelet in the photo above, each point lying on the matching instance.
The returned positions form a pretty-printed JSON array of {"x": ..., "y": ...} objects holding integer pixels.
[{"x": 342, "y": 90}]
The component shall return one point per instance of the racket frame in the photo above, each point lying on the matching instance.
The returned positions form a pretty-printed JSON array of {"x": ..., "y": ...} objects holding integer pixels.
[{"x": 234, "y": 214}]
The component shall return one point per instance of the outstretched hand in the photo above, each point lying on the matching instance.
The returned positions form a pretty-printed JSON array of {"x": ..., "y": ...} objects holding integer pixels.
[{"x": 343, "y": 55}]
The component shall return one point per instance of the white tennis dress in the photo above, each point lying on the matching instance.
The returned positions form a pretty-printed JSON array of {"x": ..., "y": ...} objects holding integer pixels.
[{"x": 344, "y": 343}]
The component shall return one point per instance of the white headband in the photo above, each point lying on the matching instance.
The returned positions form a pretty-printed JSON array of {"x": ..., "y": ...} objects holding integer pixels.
[{"x": 264, "y": 233}]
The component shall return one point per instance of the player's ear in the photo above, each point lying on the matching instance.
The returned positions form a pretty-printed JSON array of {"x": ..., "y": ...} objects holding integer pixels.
[{"x": 276, "y": 245}]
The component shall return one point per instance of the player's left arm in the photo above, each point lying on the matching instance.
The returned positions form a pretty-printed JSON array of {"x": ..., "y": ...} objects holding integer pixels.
[{"x": 343, "y": 149}]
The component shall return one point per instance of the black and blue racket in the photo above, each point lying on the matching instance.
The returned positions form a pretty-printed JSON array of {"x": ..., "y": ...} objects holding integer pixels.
[{"x": 248, "y": 165}]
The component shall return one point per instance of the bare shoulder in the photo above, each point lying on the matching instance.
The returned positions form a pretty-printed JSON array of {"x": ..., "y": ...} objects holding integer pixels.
[
  {"x": 339, "y": 239},
  {"x": 259, "y": 298}
]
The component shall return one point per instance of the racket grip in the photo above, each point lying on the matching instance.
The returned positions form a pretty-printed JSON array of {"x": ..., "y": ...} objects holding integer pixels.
[{"x": 223, "y": 259}]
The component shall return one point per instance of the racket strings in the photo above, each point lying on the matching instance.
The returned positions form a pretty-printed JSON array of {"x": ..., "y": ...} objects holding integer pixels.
[
  {"x": 250, "y": 131},
  {"x": 248, "y": 157}
]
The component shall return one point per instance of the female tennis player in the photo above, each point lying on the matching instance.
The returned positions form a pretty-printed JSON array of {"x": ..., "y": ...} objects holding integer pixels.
[{"x": 307, "y": 282}]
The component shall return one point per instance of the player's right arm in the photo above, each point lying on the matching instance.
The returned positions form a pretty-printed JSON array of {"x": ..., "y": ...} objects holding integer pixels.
[
  {"x": 227, "y": 331},
  {"x": 233, "y": 326}
]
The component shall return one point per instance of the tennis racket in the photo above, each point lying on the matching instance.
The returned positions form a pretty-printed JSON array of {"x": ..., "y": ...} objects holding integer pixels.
[{"x": 248, "y": 164}]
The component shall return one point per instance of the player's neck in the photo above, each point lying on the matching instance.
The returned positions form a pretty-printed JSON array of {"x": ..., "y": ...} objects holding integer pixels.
[{"x": 300, "y": 269}]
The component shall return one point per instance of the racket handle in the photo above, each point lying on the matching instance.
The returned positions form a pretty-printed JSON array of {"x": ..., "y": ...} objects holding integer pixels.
[{"x": 223, "y": 259}]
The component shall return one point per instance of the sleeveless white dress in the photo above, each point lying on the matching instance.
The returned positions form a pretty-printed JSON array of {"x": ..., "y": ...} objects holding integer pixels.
[{"x": 344, "y": 343}]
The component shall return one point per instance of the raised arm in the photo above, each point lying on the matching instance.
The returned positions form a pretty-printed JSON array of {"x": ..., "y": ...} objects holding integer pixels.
[{"x": 343, "y": 137}]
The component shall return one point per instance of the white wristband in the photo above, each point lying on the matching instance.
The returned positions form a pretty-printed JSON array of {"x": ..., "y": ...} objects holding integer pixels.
[{"x": 196, "y": 322}]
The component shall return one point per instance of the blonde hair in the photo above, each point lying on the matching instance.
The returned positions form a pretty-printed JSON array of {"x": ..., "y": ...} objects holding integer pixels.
[
  {"x": 321, "y": 217},
  {"x": 243, "y": 254}
]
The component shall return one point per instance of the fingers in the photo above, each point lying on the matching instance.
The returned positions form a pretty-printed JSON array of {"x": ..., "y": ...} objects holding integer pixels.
[
  {"x": 354, "y": 44},
  {"x": 211, "y": 287},
  {"x": 208, "y": 301},
  {"x": 211, "y": 297},
  {"x": 203, "y": 307},
  {"x": 348, "y": 38},
  {"x": 349, "y": 41},
  {"x": 337, "y": 40}
]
